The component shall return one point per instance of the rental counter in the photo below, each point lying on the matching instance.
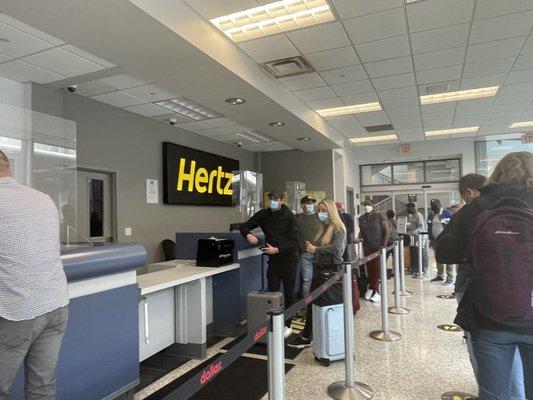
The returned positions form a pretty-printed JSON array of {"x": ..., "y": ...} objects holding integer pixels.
[{"x": 99, "y": 358}]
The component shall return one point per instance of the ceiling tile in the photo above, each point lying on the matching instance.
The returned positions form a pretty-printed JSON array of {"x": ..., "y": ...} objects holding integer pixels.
[
  {"x": 494, "y": 50},
  {"x": 389, "y": 67},
  {"x": 501, "y": 117},
  {"x": 353, "y": 88},
  {"x": 319, "y": 38},
  {"x": 4, "y": 58},
  {"x": 122, "y": 81},
  {"x": 490, "y": 8},
  {"x": 151, "y": 93},
  {"x": 354, "y": 8},
  {"x": 343, "y": 75},
  {"x": 180, "y": 119},
  {"x": 19, "y": 25},
  {"x": 482, "y": 68},
  {"x": 483, "y": 81},
  {"x": 475, "y": 106},
  {"x": 361, "y": 98},
  {"x": 394, "y": 81},
  {"x": 210, "y": 9},
  {"x": 373, "y": 118},
  {"x": 503, "y": 27},
  {"x": 211, "y": 132},
  {"x": 516, "y": 88},
  {"x": 441, "y": 58},
  {"x": 516, "y": 98},
  {"x": 315, "y": 94},
  {"x": 325, "y": 103},
  {"x": 521, "y": 76},
  {"x": 194, "y": 126},
  {"x": 497, "y": 108},
  {"x": 401, "y": 103},
  {"x": 408, "y": 124},
  {"x": 88, "y": 56},
  {"x": 403, "y": 112},
  {"x": 18, "y": 43},
  {"x": 433, "y": 14},
  {"x": 400, "y": 93},
  {"x": 440, "y": 107},
  {"x": 300, "y": 82},
  {"x": 147, "y": 110},
  {"x": 347, "y": 124},
  {"x": 22, "y": 72},
  {"x": 528, "y": 47},
  {"x": 223, "y": 122},
  {"x": 330, "y": 59},
  {"x": 442, "y": 38},
  {"x": 118, "y": 99},
  {"x": 525, "y": 61},
  {"x": 234, "y": 128},
  {"x": 269, "y": 48},
  {"x": 92, "y": 89},
  {"x": 469, "y": 120},
  {"x": 439, "y": 75},
  {"x": 62, "y": 62},
  {"x": 384, "y": 49},
  {"x": 377, "y": 26}
]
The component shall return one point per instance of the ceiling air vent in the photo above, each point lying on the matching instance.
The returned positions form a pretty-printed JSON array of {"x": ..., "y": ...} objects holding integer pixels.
[
  {"x": 289, "y": 67},
  {"x": 379, "y": 128},
  {"x": 438, "y": 88}
]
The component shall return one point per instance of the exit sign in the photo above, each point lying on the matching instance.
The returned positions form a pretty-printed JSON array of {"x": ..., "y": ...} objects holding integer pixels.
[
  {"x": 527, "y": 138},
  {"x": 405, "y": 149}
]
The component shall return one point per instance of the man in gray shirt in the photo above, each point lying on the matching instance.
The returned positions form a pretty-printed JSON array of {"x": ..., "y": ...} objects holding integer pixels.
[
  {"x": 33, "y": 288},
  {"x": 415, "y": 225}
]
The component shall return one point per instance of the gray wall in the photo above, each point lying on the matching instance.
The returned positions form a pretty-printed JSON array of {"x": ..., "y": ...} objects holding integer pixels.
[
  {"x": 313, "y": 168},
  {"x": 131, "y": 145}
]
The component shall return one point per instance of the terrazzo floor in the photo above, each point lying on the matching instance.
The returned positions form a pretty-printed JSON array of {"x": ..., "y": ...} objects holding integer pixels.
[{"x": 423, "y": 365}]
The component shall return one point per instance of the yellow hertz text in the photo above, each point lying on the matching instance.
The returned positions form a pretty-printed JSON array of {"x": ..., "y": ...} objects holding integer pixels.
[{"x": 202, "y": 181}]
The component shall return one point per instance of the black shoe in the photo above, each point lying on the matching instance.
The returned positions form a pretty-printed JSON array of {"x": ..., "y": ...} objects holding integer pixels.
[
  {"x": 437, "y": 279},
  {"x": 299, "y": 342}
]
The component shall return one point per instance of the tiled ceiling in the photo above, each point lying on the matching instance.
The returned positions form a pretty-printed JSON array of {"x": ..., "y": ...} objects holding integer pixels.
[{"x": 389, "y": 51}]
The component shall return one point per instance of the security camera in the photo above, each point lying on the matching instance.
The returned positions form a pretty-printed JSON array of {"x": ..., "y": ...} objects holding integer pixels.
[
  {"x": 238, "y": 144},
  {"x": 72, "y": 88},
  {"x": 172, "y": 121}
]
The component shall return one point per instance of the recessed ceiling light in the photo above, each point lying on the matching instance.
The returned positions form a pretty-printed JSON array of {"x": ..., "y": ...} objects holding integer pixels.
[
  {"x": 468, "y": 129},
  {"x": 188, "y": 108},
  {"x": 374, "y": 139},
  {"x": 276, "y": 123},
  {"x": 273, "y": 18},
  {"x": 460, "y": 95},
  {"x": 523, "y": 124},
  {"x": 353, "y": 109},
  {"x": 304, "y": 139},
  {"x": 235, "y": 101}
]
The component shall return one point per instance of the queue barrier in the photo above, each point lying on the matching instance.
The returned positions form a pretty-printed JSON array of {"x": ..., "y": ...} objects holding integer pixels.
[{"x": 274, "y": 327}]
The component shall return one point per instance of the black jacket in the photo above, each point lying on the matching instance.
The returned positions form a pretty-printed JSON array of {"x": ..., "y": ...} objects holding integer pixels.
[
  {"x": 349, "y": 224},
  {"x": 280, "y": 229}
]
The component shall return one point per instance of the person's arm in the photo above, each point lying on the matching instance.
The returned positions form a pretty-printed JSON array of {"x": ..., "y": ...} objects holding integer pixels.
[
  {"x": 350, "y": 226},
  {"x": 293, "y": 235},
  {"x": 386, "y": 232},
  {"x": 252, "y": 223},
  {"x": 337, "y": 245},
  {"x": 359, "y": 238}
]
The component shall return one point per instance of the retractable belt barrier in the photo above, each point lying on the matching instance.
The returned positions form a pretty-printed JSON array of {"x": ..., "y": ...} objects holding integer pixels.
[{"x": 207, "y": 374}]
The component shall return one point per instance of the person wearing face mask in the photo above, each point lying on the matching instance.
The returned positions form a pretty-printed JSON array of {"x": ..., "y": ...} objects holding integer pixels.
[
  {"x": 327, "y": 248},
  {"x": 415, "y": 225},
  {"x": 281, "y": 235},
  {"x": 308, "y": 225},
  {"x": 437, "y": 220},
  {"x": 374, "y": 233}
]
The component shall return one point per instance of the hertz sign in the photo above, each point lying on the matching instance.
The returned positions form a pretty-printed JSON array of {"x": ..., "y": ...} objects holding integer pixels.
[{"x": 195, "y": 177}]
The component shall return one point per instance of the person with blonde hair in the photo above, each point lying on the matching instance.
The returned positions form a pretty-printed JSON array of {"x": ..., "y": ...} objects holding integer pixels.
[
  {"x": 327, "y": 249},
  {"x": 496, "y": 305}
]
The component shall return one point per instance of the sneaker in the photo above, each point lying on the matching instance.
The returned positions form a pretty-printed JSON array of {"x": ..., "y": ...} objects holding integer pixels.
[
  {"x": 300, "y": 342},
  {"x": 437, "y": 279},
  {"x": 449, "y": 281},
  {"x": 368, "y": 293},
  {"x": 287, "y": 332},
  {"x": 376, "y": 298}
]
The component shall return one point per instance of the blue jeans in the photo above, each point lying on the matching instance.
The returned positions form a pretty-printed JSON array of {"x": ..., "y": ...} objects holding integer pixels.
[
  {"x": 495, "y": 353},
  {"x": 305, "y": 265}
]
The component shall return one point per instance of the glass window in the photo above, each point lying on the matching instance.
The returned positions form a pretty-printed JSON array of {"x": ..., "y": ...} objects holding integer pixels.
[
  {"x": 408, "y": 173},
  {"x": 488, "y": 154},
  {"x": 376, "y": 174},
  {"x": 443, "y": 171},
  {"x": 96, "y": 205}
]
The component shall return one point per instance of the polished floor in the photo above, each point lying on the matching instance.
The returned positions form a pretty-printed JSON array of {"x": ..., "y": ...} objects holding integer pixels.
[{"x": 423, "y": 365}]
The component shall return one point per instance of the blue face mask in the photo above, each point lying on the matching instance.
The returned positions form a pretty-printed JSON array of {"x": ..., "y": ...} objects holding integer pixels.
[
  {"x": 310, "y": 208},
  {"x": 324, "y": 217},
  {"x": 273, "y": 204}
]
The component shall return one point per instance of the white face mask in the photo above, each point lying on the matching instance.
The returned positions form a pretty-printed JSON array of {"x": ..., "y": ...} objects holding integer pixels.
[
  {"x": 309, "y": 208},
  {"x": 368, "y": 208}
]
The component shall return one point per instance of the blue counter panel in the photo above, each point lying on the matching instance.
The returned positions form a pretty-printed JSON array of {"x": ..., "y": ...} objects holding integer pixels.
[{"x": 100, "y": 352}]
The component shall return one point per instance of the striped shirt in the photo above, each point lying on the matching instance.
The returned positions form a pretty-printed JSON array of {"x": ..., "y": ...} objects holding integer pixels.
[{"x": 32, "y": 280}]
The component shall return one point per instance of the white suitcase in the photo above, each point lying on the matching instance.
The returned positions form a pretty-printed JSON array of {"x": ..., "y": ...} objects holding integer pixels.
[{"x": 328, "y": 333}]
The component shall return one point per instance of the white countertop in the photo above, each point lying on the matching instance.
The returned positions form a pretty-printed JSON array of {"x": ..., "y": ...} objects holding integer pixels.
[{"x": 186, "y": 271}]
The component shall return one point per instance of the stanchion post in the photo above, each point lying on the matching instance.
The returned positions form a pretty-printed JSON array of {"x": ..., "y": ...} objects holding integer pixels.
[
  {"x": 426, "y": 250},
  {"x": 384, "y": 334},
  {"x": 420, "y": 274},
  {"x": 276, "y": 356},
  {"x": 397, "y": 309},
  {"x": 349, "y": 388},
  {"x": 403, "y": 292}
]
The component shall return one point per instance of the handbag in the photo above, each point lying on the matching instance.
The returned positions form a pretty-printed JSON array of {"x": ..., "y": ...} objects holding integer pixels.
[{"x": 334, "y": 295}]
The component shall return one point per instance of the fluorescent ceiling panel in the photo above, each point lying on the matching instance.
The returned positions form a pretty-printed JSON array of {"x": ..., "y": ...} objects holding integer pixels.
[
  {"x": 459, "y": 95},
  {"x": 354, "y": 109},
  {"x": 273, "y": 18},
  {"x": 524, "y": 124},
  {"x": 374, "y": 139},
  {"x": 189, "y": 109},
  {"x": 468, "y": 129},
  {"x": 254, "y": 136},
  {"x": 10, "y": 143}
]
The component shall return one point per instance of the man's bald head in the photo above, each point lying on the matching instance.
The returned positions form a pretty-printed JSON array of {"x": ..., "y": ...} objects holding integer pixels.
[{"x": 5, "y": 167}]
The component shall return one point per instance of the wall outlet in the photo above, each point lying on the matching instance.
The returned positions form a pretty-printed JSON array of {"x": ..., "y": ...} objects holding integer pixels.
[{"x": 128, "y": 231}]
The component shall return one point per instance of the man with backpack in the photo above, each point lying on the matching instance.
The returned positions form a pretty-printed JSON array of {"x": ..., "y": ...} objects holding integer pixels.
[{"x": 495, "y": 234}]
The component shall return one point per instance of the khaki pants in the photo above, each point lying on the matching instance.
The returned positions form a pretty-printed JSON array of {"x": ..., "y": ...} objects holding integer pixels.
[
  {"x": 36, "y": 342},
  {"x": 450, "y": 270}
]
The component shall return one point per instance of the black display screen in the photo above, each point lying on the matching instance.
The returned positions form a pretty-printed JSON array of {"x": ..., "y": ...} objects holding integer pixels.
[{"x": 196, "y": 177}]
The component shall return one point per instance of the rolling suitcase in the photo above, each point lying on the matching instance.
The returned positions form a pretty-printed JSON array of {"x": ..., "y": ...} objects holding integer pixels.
[
  {"x": 257, "y": 305},
  {"x": 328, "y": 333}
]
